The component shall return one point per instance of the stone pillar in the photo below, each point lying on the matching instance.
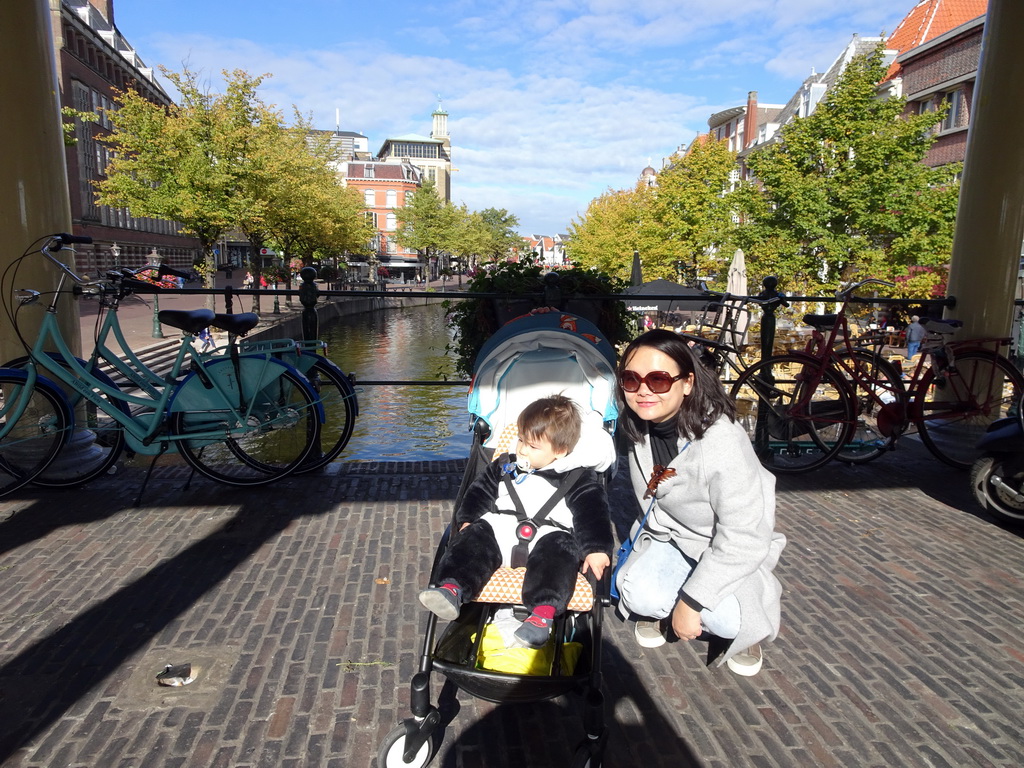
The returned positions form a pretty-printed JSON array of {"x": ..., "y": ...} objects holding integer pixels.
[
  {"x": 990, "y": 215},
  {"x": 33, "y": 177}
]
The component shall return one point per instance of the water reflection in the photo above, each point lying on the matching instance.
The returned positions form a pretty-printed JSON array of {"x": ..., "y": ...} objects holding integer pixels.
[{"x": 401, "y": 423}]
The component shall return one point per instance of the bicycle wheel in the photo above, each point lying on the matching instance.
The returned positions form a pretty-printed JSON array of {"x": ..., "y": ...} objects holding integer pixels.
[
  {"x": 879, "y": 399},
  {"x": 795, "y": 423},
  {"x": 278, "y": 421},
  {"x": 34, "y": 425},
  {"x": 97, "y": 440},
  {"x": 338, "y": 398},
  {"x": 953, "y": 409}
]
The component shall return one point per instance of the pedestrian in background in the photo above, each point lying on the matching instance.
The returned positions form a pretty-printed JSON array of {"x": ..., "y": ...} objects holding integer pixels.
[{"x": 915, "y": 335}]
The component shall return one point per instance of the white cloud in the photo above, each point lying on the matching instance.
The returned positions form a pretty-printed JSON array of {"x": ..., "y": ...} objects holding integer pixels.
[{"x": 550, "y": 102}]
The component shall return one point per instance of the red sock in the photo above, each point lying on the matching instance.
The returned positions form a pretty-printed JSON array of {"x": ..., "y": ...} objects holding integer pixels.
[{"x": 545, "y": 612}]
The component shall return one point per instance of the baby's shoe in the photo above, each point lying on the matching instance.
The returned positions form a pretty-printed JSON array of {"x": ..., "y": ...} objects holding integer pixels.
[
  {"x": 536, "y": 630},
  {"x": 444, "y": 601}
]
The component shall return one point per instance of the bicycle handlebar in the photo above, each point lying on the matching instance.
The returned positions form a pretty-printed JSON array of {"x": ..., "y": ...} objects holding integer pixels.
[
  {"x": 123, "y": 275},
  {"x": 65, "y": 239},
  {"x": 848, "y": 293}
]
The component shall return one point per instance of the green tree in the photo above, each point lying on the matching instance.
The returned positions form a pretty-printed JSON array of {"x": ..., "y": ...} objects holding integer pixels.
[
  {"x": 503, "y": 239},
  {"x": 844, "y": 191},
  {"x": 184, "y": 163},
  {"x": 472, "y": 236},
  {"x": 426, "y": 223},
  {"x": 694, "y": 209},
  {"x": 613, "y": 226}
]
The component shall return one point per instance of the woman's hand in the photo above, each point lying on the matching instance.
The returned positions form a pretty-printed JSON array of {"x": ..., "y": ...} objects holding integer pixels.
[
  {"x": 596, "y": 562},
  {"x": 685, "y": 622}
]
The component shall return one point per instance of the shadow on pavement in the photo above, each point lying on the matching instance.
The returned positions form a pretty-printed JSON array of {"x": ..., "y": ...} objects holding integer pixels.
[{"x": 47, "y": 678}]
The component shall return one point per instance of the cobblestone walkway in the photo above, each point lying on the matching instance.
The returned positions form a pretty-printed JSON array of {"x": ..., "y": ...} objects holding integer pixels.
[{"x": 901, "y": 642}]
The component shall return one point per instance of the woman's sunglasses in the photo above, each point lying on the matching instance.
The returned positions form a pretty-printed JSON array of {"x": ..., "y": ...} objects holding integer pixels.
[{"x": 659, "y": 382}]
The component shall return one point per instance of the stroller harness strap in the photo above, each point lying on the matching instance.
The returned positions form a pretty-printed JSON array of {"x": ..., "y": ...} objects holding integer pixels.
[{"x": 527, "y": 529}]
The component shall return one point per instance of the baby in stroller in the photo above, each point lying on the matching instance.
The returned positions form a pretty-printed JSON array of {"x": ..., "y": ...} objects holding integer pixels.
[{"x": 542, "y": 507}]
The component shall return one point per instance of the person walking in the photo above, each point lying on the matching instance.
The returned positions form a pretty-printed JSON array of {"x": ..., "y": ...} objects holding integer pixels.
[{"x": 916, "y": 333}]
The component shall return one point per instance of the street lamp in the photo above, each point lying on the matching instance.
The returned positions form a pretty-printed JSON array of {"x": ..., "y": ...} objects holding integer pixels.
[
  {"x": 278, "y": 262},
  {"x": 158, "y": 331},
  {"x": 115, "y": 251}
]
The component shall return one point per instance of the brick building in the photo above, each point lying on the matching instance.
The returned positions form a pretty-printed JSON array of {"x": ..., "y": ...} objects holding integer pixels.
[
  {"x": 385, "y": 187},
  {"x": 93, "y": 59},
  {"x": 943, "y": 71}
]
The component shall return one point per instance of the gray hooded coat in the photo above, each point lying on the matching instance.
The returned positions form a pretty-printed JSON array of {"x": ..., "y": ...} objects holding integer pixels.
[{"x": 719, "y": 510}]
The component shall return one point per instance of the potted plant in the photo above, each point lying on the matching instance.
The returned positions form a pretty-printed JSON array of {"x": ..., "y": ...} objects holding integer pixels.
[{"x": 524, "y": 286}]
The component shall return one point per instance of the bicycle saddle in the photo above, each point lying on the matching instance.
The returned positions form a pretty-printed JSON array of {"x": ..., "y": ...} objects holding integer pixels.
[
  {"x": 187, "y": 320},
  {"x": 942, "y": 326},
  {"x": 820, "y": 321},
  {"x": 239, "y": 324}
]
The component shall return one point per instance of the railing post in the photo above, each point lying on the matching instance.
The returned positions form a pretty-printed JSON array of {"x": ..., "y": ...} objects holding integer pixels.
[
  {"x": 308, "y": 295},
  {"x": 552, "y": 291},
  {"x": 774, "y": 300}
]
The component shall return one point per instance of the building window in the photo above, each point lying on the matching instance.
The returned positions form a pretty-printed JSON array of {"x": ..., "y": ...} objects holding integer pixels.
[
  {"x": 391, "y": 222},
  {"x": 370, "y": 197},
  {"x": 404, "y": 149},
  {"x": 953, "y": 100},
  {"x": 392, "y": 198}
]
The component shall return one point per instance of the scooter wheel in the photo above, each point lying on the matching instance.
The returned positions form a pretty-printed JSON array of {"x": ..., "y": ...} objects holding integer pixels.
[{"x": 997, "y": 484}]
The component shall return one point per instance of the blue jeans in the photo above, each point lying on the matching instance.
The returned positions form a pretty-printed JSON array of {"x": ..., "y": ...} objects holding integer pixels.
[
  {"x": 649, "y": 586},
  {"x": 912, "y": 348}
]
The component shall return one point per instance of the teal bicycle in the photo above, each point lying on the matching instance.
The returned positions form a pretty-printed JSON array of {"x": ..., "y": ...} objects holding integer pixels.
[{"x": 239, "y": 419}]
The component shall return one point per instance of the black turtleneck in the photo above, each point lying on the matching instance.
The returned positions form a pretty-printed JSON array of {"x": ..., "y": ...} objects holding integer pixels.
[{"x": 664, "y": 441}]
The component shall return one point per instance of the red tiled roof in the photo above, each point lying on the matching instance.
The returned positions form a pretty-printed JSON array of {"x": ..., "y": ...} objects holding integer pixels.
[
  {"x": 386, "y": 171},
  {"x": 929, "y": 19}
]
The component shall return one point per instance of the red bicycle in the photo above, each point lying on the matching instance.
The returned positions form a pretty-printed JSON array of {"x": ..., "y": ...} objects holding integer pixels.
[{"x": 839, "y": 400}]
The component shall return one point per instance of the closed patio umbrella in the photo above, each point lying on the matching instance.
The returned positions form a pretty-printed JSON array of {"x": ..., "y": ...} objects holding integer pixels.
[{"x": 636, "y": 276}]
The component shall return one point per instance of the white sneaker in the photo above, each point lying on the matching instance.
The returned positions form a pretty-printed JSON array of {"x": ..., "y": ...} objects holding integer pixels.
[
  {"x": 649, "y": 634},
  {"x": 748, "y": 662}
]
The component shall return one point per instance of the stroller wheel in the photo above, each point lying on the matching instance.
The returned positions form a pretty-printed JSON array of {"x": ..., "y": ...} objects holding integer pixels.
[
  {"x": 589, "y": 754},
  {"x": 390, "y": 753}
]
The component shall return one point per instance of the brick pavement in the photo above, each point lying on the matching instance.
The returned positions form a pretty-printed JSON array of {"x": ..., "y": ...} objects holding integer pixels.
[{"x": 900, "y": 646}]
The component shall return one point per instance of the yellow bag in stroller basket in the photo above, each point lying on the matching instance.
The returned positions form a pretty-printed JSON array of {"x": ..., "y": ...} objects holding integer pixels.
[{"x": 495, "y": 657}]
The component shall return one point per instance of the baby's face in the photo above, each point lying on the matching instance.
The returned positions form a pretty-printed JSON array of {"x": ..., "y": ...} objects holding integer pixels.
[{"x": 536, "y": 453}]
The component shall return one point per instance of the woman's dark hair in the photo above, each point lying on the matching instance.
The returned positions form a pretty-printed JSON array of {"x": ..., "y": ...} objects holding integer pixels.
[{"x": 700, "y": 409}]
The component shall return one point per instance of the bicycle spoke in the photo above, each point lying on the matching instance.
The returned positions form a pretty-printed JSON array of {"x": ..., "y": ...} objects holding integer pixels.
[
  {"x": 33, "y": 427},
  {"x": 796, "y": 422},
  {"x": 954, "y": 407}
]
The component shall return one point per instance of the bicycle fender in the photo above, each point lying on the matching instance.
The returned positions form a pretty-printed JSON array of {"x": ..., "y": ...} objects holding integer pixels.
[
  {"x": 350, "y": 391},
  {"x": 192, "y": 395},
  {"x": 321, "y": 414}
]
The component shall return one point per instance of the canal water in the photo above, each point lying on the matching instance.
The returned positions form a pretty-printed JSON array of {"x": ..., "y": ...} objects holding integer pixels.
[{"x": 401, "y": 422}]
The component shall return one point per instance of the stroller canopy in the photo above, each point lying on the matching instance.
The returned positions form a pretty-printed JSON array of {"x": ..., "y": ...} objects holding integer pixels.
[{"x": 538, "y": 355}]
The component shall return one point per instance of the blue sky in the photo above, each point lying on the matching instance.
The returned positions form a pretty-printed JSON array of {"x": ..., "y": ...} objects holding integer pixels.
[{"x": 550, "y": 102}]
